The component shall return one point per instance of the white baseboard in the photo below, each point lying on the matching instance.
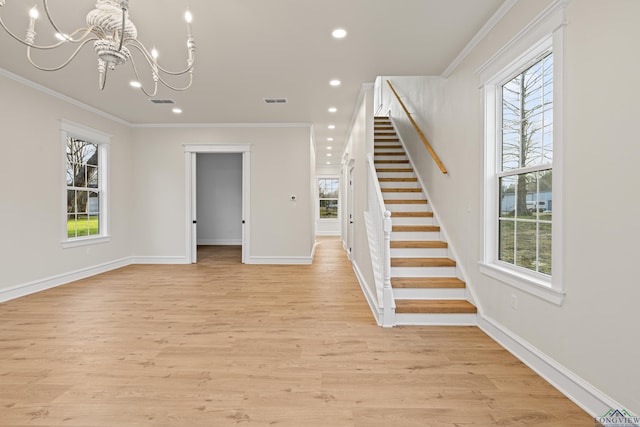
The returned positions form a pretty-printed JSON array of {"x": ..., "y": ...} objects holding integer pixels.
[
  {"x": 582, "y": 393},
  {"x": 377, "y": 313},
  {"x": 160, "y": 260},
  {"x": 61, "y": 279},
  {"x": 276, "y": 260},
  {"x": 327, "y": 233},
  {"x": 220, "y": 242}
]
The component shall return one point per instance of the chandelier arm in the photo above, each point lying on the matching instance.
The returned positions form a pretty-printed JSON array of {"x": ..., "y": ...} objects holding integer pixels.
[
  {"x": 64, "y": 64},
  {"x": 45, "y": 3},
  {"x": 177, "y": 89},
  {"x": 102, "y": 78},
  {"x": 135, "y": 71},
  {"x": 124, "y": 21},
  {"x": 147, "y": 55},
  {"x": 87, "y": 31}
]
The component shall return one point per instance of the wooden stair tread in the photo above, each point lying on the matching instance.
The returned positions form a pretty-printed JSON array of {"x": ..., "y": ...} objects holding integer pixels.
[
  {"x": 422, "y": 262},
  {"x": 435, "y": 306},
  {"x": 397, "y": 179},
  {"x": 415, "y": 228},
  {"x": 426, "y": 283},
  {"x": 395, "y": 170},
  {"x": 391, "y": 153},
  {"x": 411, "y": 214},
  {"x": 401, "y": 190},
  {"x": 418, "y": 244},
  {"x": 406, "y": 202}
]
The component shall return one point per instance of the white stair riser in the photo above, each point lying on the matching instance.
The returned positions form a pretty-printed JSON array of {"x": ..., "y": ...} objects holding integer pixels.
[
  {"x": 399, "y": 184},
  {"x": 381, "y": 166},
  {"x": 403, "y": 196},
  {"x": 430, "y": 294},
  {"x": 415, "y": 235},
  {"x": 450, "y": 319},
  {"x": 396, "y": 175},
  {"x": 419, "y": 253},
  {"x": 384, "y": 158},
  {"x": 421, "y": 220},
  {"x": 408, "y": 207},
  {"x": 423, "y": 271}
]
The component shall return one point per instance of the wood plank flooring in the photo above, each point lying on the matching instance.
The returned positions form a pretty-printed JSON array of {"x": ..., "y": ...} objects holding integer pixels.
[{"x": 223, "y": 344}]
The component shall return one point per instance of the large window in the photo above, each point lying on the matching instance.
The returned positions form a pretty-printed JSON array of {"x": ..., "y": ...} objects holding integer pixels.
[
  {"x": 525, "y": 168},
  {"x": 328, "y": 197},
  {"x": 523, "y": 100},
  {"x": 85, "y": 185}
]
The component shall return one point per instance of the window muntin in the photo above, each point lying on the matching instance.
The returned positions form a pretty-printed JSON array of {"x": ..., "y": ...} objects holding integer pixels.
[
  {"x": 525, "y": 168},
  {"x": 328, "y": 197}
]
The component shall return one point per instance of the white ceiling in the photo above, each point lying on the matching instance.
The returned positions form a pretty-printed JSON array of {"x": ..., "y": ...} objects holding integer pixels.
[{"x": 248, "y": 50}]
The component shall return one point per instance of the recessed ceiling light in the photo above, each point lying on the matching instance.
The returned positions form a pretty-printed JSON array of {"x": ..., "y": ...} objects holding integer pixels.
[
  {"x": 335, "y": 82},
  {"x": 135, "y": 84},
  {"x": 328, "y": 163},
  {"x": 339, "y": 33},
  {"x": 177, "y": 110},
  {"x": 331, "y": 126},
  {"x": 329, "y": 139},
  {"x": 329, "y": 148},
  {"x": 328, "y": 154},
  {"x": 333, "y": 109}
]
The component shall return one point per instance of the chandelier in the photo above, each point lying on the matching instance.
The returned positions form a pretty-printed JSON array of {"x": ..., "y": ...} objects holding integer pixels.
[{"x": 114, "y": 36}]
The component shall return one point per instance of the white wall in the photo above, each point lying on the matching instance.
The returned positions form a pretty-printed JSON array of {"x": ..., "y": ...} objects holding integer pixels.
[
  {"x": 594, "y": 334},
  {"x": 281, "y": 229},
  {"x": 359, "y": 143},
  {"x": 219, "y": 198},
  {"x": 32, "y": 183}
]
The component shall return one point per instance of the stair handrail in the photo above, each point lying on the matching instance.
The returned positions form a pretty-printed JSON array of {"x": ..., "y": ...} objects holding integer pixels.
[
  {"x": 383, "y": 227},
  {"x": 418, "y": 130}
]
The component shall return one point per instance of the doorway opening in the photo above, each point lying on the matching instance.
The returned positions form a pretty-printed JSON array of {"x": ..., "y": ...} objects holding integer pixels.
[{"x": 217, "y": 205}]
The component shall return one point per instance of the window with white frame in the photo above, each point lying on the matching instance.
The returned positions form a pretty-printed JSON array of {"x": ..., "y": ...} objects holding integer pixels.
[
  {"x": 328, "y": 198},
  {"x": 523, "y": 159},
  {"x": 85, "y": 198}
]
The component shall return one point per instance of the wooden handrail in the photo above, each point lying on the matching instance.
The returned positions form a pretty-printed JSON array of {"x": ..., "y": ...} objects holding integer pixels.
[{"x": 417, "y": 128}]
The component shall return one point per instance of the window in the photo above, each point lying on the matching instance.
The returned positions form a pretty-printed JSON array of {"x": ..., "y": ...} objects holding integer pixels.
[
  {"x": 523, "y": 101},
  {"x": 525, "y": 168},
  {"x": 85, "y": 153},
  {"x": 328, "y": 197}
]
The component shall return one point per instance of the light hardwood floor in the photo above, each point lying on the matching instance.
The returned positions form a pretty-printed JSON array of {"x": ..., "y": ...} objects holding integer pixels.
[{"x": 221, "y": 344}]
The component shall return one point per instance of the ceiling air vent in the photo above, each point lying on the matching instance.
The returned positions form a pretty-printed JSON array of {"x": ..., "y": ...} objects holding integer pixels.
[
  {"x": 275, "y": 100},
  {"x": 162, "y": 101}
]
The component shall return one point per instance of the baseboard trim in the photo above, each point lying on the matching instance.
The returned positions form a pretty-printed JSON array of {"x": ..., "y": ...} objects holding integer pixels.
[
  {"x": 581, "y": 392},
  {"x": 220, "y": 242},
  {"x": 160, "y": 260},
  {"x": 377, "y": 313},
  {"x": 61, "y": 279},
  {"x": 276, "y": 260}
]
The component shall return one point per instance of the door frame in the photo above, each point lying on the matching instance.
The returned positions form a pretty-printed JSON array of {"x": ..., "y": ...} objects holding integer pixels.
[
  {"x": 350, "y": 207},
  {"x": 191, "y": 227}
]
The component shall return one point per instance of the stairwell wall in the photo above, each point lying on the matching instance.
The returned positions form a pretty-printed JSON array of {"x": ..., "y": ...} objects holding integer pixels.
[
  {"x": 592, "y": 337},
  {"x": 359, "y": 143}
]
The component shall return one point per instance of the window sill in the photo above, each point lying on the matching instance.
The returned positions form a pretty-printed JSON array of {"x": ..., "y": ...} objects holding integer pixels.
[
  {"x": 85, "y": 241},
  {"x": 530, "y": 284}
]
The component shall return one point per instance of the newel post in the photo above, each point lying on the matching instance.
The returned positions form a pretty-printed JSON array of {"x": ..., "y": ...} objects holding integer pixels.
[{"x": 388, "y": 315}]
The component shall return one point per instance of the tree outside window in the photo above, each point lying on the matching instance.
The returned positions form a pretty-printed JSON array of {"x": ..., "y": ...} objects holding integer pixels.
[{"x": 328, "y": 197}]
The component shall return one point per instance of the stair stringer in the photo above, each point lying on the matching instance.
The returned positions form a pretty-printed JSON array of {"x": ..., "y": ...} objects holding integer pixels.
[{"x": 470, "y": 293}]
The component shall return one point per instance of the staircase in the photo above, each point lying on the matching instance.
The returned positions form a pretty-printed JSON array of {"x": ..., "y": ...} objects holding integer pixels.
[{"x": 424, "y": 279}]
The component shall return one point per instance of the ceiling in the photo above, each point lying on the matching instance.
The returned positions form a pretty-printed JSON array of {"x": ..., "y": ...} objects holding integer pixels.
[{"x": 248, "y": 50}]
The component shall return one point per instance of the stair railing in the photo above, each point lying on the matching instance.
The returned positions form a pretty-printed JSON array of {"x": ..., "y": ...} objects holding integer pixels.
[
  {"x": 418, "y": 130},
  {"x": 381, "y": 225}
]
